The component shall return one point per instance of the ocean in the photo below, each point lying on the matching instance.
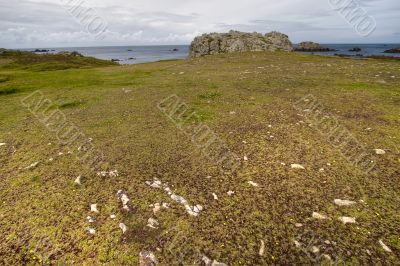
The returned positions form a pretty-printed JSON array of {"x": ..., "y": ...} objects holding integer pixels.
[{"x": 143, "y": 54}]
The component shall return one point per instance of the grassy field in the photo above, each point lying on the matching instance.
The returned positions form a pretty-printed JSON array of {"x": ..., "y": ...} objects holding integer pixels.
[{"x": 249, "y": 101}]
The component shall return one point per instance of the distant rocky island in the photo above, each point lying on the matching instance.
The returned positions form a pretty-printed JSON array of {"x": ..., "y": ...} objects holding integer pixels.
[
  {"x": 236, "y": 41},
  {"x": 312, "y": 47}
]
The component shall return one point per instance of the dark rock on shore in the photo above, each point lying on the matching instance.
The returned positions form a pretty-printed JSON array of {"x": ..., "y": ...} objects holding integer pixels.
[
  {"x": 393, "y": 51},
  {"x": 312, "y": 47},
  {"x": 236, "y": 41},
  {"x": 41, "y": 51},
  {"x": 115, "y": 60},
  {"x": 175, "y": 50},
  {"x": 355, "y": 49}
]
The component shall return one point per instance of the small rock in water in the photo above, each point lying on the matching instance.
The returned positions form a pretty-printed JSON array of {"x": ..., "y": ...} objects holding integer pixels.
[
  {"x": 385, "y": 248},
  {"x": 78, "y": 180},
  {"x": 152, "y": 223},
  {"x": 344, "y": 202},
  {"x": 252, "y": 183},
  {"x": 147, "y": 258},
  {"x": 262, "y": 248},
  {"x": 380, "y": 151},
  {"x": 230, "y": 192},
  {"x": 316, "y": 215},
  {"x": 93, "y": 208},
  {"x": 297, "y": 166},
  {"x": 215, "y": 196},
  {"x": 123, "y": 227},
  {"x": 92, "y": 231},
  {"x": 347, "y": 220}
]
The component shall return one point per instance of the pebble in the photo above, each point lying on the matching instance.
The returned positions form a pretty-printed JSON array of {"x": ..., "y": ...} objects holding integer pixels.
[
  {"x": 152, "y": 223},
  {"x": 316, "y": 215},
  {"x": 123, "y": 227},
  {"x": 230, "y": 193},
  {"x": 124, "y": 200},
  {"x": 344, "y": 202},
  {"x": 347, "y": 220},
  {"x": 32, "y": 165},
  {"x": 215, "y": 196},
  {"x": 2, "y": 144},
  {"x": 298, "y": 224},
  {"x": 386, "y": 248},
  {"x": 232, "y": 112},
  {"x": 262, "y": 248},
  {"x": 90, "y": 219},
  {"x": 92, "y": 231},
  {"x": 113, "y": 216},
  {"x": 78, "y": 180},
  {"x": 379, "y": 151},
  {"x": 156, "y": 208},
  {"x": 147, "y": 258},
  {"x": 245, "y": 158},
  {"x": 93, "y": 208},
  {"x": 315, "y": 249},
  {"x": 297, "y": 166},
  {"x": 297, "y": 243},
  {"x": 252, "y": 183}
]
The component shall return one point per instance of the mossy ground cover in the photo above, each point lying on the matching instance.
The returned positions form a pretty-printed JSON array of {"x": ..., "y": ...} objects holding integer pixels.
[{"x": 248, "y": 101}]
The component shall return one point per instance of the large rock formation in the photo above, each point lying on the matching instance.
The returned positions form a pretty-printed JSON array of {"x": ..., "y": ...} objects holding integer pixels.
[
  {"x": 312, "y": 47},
  {"x": 236, "y": 41},
  {"x": 393, "y": 51}
]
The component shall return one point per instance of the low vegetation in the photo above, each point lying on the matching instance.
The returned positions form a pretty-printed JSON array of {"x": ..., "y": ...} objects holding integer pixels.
[{"x": 248, "y": 101}]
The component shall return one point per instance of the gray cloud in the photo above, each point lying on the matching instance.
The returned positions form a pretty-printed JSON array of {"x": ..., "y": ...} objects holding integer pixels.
[{"x": 46, "y": 23}]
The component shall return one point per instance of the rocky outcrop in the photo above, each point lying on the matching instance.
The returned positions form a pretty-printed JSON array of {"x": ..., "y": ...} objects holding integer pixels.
[
  {"x": 236, "y": 41},
  {"x": 355, "y": 49},
  {"x": 312, "y": 47},
  {"x": 393, "y": 51}
]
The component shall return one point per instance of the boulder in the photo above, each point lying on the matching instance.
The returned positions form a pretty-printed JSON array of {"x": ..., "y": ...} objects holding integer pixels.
[
  {"x": 312, "y": 47},
  {"x": 393, "y": 51},
  {"x": 355, "y": 49},
  {"x": 236, "y": 41}
]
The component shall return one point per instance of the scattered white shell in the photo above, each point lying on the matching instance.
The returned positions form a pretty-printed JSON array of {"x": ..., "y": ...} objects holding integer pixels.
[
  {"x": 346, "y": 220},
  {"x": 78, "y": 180},
  {"x": 206, "y": 260},
  {"x": 319, "y": 216},
  {"x": 156, "y": 183},
  {"x": 90, "y": 219},
  {"x": 254, "y": 184},
  {"x": 297, "y": 166},
  {"x": 156, "y": 208},
  {"x": 245, "y": 158},
  {"x": 165, "y": 205},
  {"x": 386, "y": 248},
  {"x": 232, "y": 112},
  {"x": 93, "y": 208},
  {"x": 124, "y": 200},
  {"x": 298, "y": 224},
  {"x": 147, "y": 258},
  {"x": 2, "y": 144},
  {"x": 33, "y": 165},
  {"x": 152, "y": 223},
  {"x": 321, "y": 169},
  {"x": 92, "y": 231},
  {"x": 297, "y": 243},
  {"x": 108, "y": 174},
  {"x": 51, "y": 159},
  {"x": 314, "y": 249},
  {"x": 123, "y": 227},
  {"x": 113, "y": 216},
  {"x": 344, "y": 202},
  {"x": 380, "y": 151},
  {"x": 262, "y": 248},
  {"x": 215, "y": 196},
  {"x": 230, "y": 192},
  {"x": 216, "y": 263}
]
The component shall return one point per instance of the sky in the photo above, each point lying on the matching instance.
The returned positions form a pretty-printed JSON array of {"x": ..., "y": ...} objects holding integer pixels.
[{"x": 57, "y": 23}]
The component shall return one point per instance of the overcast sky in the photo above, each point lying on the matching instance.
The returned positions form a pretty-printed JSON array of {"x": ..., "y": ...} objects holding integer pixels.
[{"x": 48, "y": 23}]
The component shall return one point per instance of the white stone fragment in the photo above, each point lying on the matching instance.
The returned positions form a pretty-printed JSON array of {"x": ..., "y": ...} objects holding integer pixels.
[
  {"x": 92, "y": 231},
  {"x": 3, "y": 144},
  {"x": 230, "y": 192},
  {"x": 347, "y": 220},
  {"x": 298, "y": 224},
  {"x": 262, "y": 248},
  {"x": 245, "y": 158},
  {"x": 124, "y": 200},
  {"x": 93, "y": 208},
  {"x": 216, "y": 263},
  {"x": 297, "y": 243},
  {"x": 318, "y": 216},
  {"x": 380, "y": 151},
  {"x": 215, "y": 196},
  {"x": 344, "y": 202},
  {"x": 51, "y": 159},
  {"x": 90, "y": 219},
  {"x": 78, "y": 180},
  {"x": 123, "y": 227},
  {"x": 152, "y": 223},
  {"x": 296, "y": 166},
  {"x": 113, "y": 216},
  {"x": 147, "y": 258},
  {"x": 33, "y": 165},
  {"x": 254, "y": 184},
  {"x": 314, "y": 249},
  {"x": 232, "y": 112},
  {"x": 206, "y": 260},
  {"x": 383, "y": 245},
  {"x": 165, "y": 205},
  {"x": 156, "y": 183},
  {"x": 156, "y": 208}
]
